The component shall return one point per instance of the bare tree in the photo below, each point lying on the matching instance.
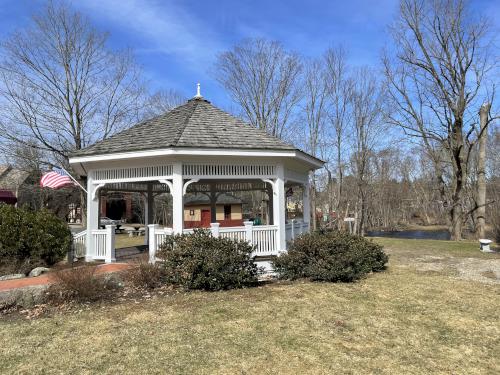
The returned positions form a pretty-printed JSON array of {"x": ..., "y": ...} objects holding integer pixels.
[
  {"x": 61, "y": 88},
  {"x": 315, "y": 111},
  {"x": 366, "y": 102},
  {"x": 437, "y": 80},
  {"x": 481, "y": 172},
  {"x": 262, "y": 78},
  {"x": 162, "y": 101},
  {"x": 339, "y": 90}
]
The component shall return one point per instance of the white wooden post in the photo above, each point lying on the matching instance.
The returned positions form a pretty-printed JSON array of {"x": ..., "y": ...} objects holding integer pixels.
[
  {"x": 152, "y": 242},
  {"x": 279, "y": 207},
  {"x": 292, "y": 235},
  {"x": 248, "y": 231},
  {"x": 92, "y": 217},
  {"x": 306, "y": 206},
  {"x": 149, "y": 212},
  {"x": 110, "y": 244},
  {"x": 177, "y": 199},
  {"x": 214, "y": 228}
]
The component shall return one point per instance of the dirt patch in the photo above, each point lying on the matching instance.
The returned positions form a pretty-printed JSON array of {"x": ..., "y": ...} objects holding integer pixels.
[{"x": 482, "y": 270}]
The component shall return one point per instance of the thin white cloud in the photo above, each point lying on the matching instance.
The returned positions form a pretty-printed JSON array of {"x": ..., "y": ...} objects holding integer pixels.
[{"x": 163, "y": 26}]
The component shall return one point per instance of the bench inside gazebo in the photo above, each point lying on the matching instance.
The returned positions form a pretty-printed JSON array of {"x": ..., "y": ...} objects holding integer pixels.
[{"x": 194, "y": 148}]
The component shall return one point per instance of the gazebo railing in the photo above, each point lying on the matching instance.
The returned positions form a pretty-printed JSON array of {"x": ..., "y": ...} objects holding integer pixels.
[
  {"x": 157, "y": 236},
  {"x": 79, "y": 244},
  {"x": 263, "y": 237},
  {"x": 265, "y": 240},
  {"x": 104, "y": 244},
  {"x": 235, "y": 233}
]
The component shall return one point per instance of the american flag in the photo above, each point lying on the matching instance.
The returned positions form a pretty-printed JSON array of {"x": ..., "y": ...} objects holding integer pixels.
[{"x": 55, "y": 180}]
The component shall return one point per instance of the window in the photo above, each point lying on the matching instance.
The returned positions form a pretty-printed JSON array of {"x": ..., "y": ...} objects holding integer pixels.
[{"x": 227, "y": 212}]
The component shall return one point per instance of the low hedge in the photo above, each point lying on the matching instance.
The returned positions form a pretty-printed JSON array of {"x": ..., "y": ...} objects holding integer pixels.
[
  {"x": 201, "y": 261},
  {"x": 29, "y": 239},
  {"x": 330, "y": 256}
]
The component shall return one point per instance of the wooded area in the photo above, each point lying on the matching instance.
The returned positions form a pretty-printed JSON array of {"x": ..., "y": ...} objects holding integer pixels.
[{"x": 413, "y": 140}]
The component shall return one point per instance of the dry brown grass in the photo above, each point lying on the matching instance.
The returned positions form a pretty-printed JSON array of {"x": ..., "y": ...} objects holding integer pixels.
[
  {"x": 123, "y": 240},
  {"x": 402, "y": 321}
]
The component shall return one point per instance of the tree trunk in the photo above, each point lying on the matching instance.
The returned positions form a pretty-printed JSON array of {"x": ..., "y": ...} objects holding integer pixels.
[
  {"x": 362, "y": 216},
  {"x": 460, "y": 176},
  {"x": 481, "y": 173},
  {"x": 340, "y": 177},
  {"x": 456, "y": 223}
]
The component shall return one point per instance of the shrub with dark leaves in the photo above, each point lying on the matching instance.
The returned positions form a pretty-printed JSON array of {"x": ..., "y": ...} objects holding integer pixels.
[
  {"x": 201, "y": 261},
  {"x": 29, "y": 239},
  {"x": 330, "y": 256}
]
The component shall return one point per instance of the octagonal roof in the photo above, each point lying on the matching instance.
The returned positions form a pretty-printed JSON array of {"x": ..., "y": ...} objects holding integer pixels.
[{"x": 196, "y": 124}]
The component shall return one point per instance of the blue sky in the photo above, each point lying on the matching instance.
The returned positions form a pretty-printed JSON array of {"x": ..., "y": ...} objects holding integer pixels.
[{"x": 176, "y": 42}]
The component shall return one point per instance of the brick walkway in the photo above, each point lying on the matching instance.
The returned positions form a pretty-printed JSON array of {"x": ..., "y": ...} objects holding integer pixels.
[{"x": 6, "y": 285}]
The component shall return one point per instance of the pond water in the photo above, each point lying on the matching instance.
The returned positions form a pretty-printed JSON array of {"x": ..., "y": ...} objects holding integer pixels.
[{"x": 412, "y": 234}]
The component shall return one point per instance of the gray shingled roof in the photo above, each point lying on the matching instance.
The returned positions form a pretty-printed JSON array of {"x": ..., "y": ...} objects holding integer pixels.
[{"x": 196, "y": 124}]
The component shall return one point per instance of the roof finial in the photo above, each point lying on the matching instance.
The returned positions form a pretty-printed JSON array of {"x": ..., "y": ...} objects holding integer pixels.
[{"x": 198, "y": 91}]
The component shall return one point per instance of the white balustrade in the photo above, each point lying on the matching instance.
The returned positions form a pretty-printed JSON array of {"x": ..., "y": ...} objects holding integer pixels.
[
  {"x": 104, "y": 243},
  {"x": 234, "y": 233},
  {"x": 214, "y": 228},
  {"x": 79, "y": 244},
  {"x": 157, "y": 237},
  {"x": 264, "y": 238}
]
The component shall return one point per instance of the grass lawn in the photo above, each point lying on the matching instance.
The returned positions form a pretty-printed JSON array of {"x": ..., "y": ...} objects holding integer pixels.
[
  {"x": 123, "y": 240},
  {"x": 410, "y": 319}
]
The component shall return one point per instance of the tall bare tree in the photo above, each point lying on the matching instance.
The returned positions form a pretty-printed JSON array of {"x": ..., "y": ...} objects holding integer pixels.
[
  {"x": 339, "y": 90},
  {"x": 315, "y": 111},
  {"x": 262, "y": 78},
  {"x": 367, "y": 125},
  {"x": 481, "y": 172},
  {"x": 61, "y": 87},
  {"x": 438, "y": 79},
  {"x": 162, "y": 101}
]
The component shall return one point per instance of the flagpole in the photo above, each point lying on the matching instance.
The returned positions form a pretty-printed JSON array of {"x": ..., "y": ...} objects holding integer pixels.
[{"x": 76, "y": 182}]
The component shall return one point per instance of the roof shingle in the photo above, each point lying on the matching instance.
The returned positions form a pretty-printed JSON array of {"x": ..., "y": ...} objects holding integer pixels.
[{"x": 196, "y": 124}]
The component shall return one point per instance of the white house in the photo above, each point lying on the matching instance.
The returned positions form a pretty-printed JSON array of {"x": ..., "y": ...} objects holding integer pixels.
[{"x": 194, "y": 147}]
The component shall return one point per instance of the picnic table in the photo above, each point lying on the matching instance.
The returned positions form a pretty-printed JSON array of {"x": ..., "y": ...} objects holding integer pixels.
[{"x": 137, "y": 231}]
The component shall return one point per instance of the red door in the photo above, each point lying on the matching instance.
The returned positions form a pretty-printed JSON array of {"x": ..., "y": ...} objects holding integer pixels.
[{"x": 205, "y": 218}]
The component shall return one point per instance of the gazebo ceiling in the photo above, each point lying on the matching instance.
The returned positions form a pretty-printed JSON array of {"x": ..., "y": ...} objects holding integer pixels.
[{"x": 196, "y": 124}]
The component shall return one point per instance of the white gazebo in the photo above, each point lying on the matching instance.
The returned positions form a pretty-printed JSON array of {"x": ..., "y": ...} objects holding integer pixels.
[{"x": 195, "y": 147}]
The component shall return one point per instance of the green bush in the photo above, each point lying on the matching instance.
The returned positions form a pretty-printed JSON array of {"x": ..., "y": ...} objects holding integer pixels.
[
  {"x": 330, "y": 256},
  {"x": 200, "y": 261},
  {"x": 29, "y": 239}
]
